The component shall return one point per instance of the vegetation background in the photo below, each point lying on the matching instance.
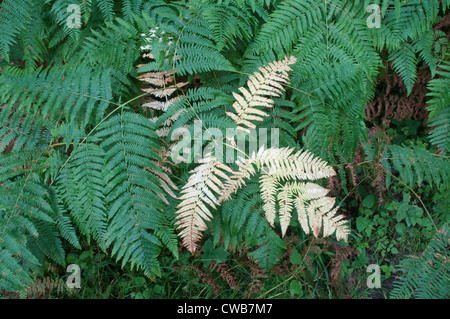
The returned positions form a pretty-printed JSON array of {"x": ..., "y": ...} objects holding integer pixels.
[{"x": 86, "y": 119}]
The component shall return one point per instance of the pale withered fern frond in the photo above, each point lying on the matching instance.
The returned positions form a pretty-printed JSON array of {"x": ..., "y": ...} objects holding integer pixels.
[
  {"x": 281, "y": 170},
  {"x": 278, "y": 168},
  {"x": 278, "y": 164},
  {"x": 261, "y": 87},
  {"x": 199, "y": 191}
]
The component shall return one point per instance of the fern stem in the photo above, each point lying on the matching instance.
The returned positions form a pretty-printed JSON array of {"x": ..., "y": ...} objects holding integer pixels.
[
  {"x": 351, "y": 191},
  {"x": 58, "y": 144}
]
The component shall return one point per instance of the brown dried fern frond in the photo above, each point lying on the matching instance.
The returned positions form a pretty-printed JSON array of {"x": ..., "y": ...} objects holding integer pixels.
[
  {"x": 159, "y": 79},
  {"x": 161, "y": 85},
  {"x": 159, "y": 105},
  {"x": 261, "y": 87},
  {"x": 43, "y": 287}
]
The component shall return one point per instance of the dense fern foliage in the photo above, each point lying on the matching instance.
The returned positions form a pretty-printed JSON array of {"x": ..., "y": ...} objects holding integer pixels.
[
  {"x": 116, "y": 131},
  {"x": 423, "y": 275}
]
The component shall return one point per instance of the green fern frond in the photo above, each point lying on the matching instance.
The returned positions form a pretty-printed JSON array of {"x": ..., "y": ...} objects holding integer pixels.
[
  {"x": 21, "y": 132},
  {"x": 80, "y": 185},
  {"x": 439, "y": 108},
  {"x": 132, "y": 192},
  {"x": 59, "y": 9},
  {"x": 426, "y": 276},
  {"x": 424, "y": 46},
  {"x": 229, "y": 22},
  {"x": 405, "y": 63},
  {"x": 106, "y": 8},
  {"x": 286, "y": 26},
  {"x": 75, "y": 93},
  {"x": 28, "y": 228},
  {"x": 14, "y": 17},
  {"x": 417, "y": 165},
  {"x": 249, "y": 229},
  {"x": 189, "y": 49}
]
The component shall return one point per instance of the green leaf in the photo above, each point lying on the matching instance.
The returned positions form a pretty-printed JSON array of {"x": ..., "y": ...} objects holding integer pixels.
[
  {"x": 220, "y": 255},
  {"x": 369, "y": 201},
  {"x": 296, "y": 257},
  {"x": 394, "y": 250},
  {"x": 295, "y": 288},
  {"x": 400, "y": 228},
  {"x": 425, "y": 222},
  {"x": 361, "y": 223},
  {"x": 401, "y": 213}
]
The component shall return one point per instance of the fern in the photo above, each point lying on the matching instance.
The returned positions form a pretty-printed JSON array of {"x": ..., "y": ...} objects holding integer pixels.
[
  {"x": 267, "y": 83},
  {"x": 405, "y": 63},
  {"x": 413, "y": 165},
  {"x": 229, "y": 22},
  {"x": 192, "y": 212},
  {"x": 287, "y": 24},
  {"x": 20, "y": 132},
  {"x": 409, "y": 21},
  {"x": 128, "y": 140},
  {"x": 194, "y": 52},
  {"x": 425, "y": 276},
  {"x": 439, "y": 107},
  {"x": 53, "y": 165},
  {"x": 59, "y": 11},
  {"x": 106, "y": 8},
  {"x": 248, "y": 229},
  {"x": 27, "y": 221},
  {"x": 14, "y": 17},
  {"x": 79, "y": 93},
  {"x": 81, "y": 187},
  {"x": 277, "y": 164}
]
